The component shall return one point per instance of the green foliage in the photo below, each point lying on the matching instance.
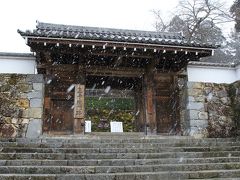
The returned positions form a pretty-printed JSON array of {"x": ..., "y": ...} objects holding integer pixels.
[
  {"x": 101, "y": 119},
  {"x": 109, "y": 103},
  {"x": 101, "y": 111}
]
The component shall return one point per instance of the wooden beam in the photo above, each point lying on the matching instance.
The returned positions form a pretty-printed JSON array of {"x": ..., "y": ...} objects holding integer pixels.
[
  {"x": 98, "y": 70},
  {"x": 97, "y": 51},
  {"x": 124, "y": 55}
]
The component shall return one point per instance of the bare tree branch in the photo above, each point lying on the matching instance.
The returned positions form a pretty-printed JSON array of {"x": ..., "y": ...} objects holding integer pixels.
[{"x": 194, "y": 16}]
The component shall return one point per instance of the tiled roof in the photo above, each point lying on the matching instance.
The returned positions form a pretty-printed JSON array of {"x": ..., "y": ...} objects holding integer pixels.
[
  {"x": 109, "y": 34},
  {"x": 211, "y": 64},
  {"x": 13, "y": 54}
]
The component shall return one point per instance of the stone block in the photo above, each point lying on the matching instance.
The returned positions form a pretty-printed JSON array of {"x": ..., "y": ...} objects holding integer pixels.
[
  {"x": 207, "y": 90},
  {"x": 23, "y": 103},
  {"x": 36, "y": 103},
  {"x": 25, "y": 121},
  {"x": 8, "y": 130},
  {"x": 200, "y": 99},
  {"x": 34, "y": 129},
  {"x": 22, "y": 95},
  {"x": 24, "y": 113},
  {"x": 226, "y": 100},
  {"x": 191, "y": 99},
  {"x": 195, "y": 92},
  {"x": 209, "y": 97},
  {"x": 5, "y": 88},
  {"x": 14, "y": 120},
  {"x": 190, "y": 84},
  {"x": 35, "y": 113},
  {"x": 193, "y": 114},
  {"x": 34, "y": 78},
  {"x": 203, "y": 115},
  {"x": 193, "y": 131},
  {"x": 24, "y": 87},
  {"x": 223, "y": 118},
  {"x": 198, "y": 85},
  {"x": 222, "y": 93},
  {"x": 38, "y": 86},
  {"x": 195, "y": 85},
  {"x": 35, "y": 94},
  {"x": 199, "y": 123},
  {"x": 195, "y": 106}
]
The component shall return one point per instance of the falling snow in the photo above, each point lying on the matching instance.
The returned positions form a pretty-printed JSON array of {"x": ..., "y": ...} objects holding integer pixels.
[
  {"x": 49, "y": 81},
  {"x": 180, "y": 160},
  {"x": 107, "y": 89},
  {"x": 69, "y": 97},
  {"x": 137, "y": 112},
  {"x": 70, "y": 88}
]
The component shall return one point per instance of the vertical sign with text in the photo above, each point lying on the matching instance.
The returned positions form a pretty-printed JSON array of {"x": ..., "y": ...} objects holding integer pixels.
[{"x": 79, "y": 101}]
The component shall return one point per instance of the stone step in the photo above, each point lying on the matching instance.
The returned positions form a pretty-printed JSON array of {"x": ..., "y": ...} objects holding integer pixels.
[
  {"x": 145, "y": 139},
  {"x": 115, "y": 145},
  {"x": 117, "y": 162},
  {"x": 174, "y": 175},
  {"x": 120, "y": 157},
  {"x": 115, "y": 169},
  {"x": 217, "y": 179},
  {"x": 116, "y": 150},
  {"x": 62, "y": 156}
]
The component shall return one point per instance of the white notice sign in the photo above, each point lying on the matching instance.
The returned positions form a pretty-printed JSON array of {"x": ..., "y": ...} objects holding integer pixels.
[
  {"x": 116, "y": 126},
  {"x": 88, "y": 126}
]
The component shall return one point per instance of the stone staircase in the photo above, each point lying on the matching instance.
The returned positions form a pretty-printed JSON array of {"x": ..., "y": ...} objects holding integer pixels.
[{"x": 119, "y": 157}]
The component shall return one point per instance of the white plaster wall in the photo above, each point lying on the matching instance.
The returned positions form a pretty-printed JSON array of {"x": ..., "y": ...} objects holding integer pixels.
[
  {"x": 238, "y": 72},
  {"x": 17, "y": 65},
  {"x": 211, "y": 74}
]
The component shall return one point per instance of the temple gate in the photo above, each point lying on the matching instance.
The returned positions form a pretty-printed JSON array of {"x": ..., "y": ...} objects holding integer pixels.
[{"x": 74, "y": 59}]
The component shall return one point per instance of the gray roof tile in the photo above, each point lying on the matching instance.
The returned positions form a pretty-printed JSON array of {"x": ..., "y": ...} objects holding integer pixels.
[
  {"x": 110, "y": 34},
  {"x": 210, "y": 64}
]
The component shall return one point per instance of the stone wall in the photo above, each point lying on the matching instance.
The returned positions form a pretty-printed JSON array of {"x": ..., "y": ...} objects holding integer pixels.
[
  {"x": 21, "y": 105},
  {"x": 234, "y": 94},
  {"x": 210, "y": 111},
  {"x": 183, "y": 99}
]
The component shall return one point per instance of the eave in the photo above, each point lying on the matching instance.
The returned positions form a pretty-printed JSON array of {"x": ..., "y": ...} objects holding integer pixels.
[{"x": 115, "y": 44}]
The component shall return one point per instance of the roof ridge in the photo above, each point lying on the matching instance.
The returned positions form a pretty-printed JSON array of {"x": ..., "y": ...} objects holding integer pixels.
[{"x": 64, "y": 27}]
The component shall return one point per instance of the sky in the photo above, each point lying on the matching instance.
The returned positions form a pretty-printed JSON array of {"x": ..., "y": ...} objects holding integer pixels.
[{"x": 124, "y": 14}]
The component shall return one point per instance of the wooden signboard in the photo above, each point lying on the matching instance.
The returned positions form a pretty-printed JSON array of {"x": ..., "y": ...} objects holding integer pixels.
[
  {"x": 150, "y": 101},
  {"x": 79, "y": 101}
]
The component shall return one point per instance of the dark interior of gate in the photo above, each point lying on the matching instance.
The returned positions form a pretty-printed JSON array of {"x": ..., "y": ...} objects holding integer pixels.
[
  {"x": 111, "y": 98},
  {"x": 102, "y": 74}
]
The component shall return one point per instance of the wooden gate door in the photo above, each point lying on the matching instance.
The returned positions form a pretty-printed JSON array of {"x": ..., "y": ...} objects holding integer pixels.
[
  {"x": 62, "y": 116},
  {"x": 58, "y": 108},
  {"x": 163, "y": 115},
  {"x": 165, "y": 103}
]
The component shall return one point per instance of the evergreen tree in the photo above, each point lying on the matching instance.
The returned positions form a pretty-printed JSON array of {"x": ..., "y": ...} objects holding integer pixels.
[{"x": 235, "y": 10}]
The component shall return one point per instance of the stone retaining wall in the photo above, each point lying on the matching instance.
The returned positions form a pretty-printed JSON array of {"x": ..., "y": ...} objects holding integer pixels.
[
  {"x": 210, "y": 109},
  {"x": 207, "y": 109},
  {"x": 21, "y": 105}
]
